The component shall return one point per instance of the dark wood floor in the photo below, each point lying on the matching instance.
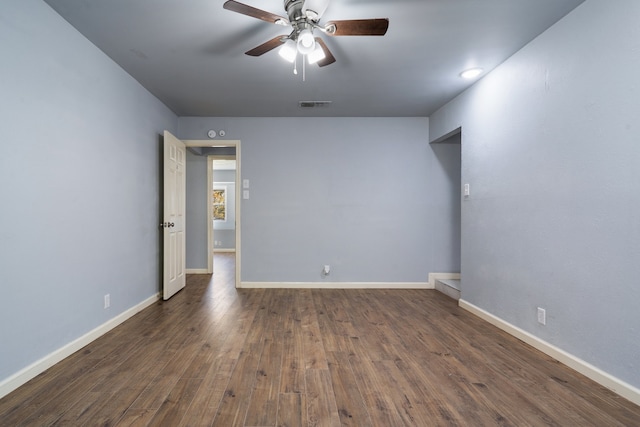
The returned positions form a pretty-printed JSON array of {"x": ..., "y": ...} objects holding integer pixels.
[{"x": 214, "y": 355}]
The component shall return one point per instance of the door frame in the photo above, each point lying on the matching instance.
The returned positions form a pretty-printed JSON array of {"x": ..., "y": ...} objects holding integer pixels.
[{"x": 222, "y": 143}]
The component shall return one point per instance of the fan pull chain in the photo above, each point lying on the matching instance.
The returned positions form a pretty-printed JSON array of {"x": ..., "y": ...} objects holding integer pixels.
[
  {"x": 303, "y": 70},
  {"x": 295, "y": 66}
]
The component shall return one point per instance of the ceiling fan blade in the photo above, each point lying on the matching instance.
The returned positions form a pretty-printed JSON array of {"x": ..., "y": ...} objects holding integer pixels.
[
  {"x": 254, "y": 13},
  {"x": 328, "y": 56},
  {"x": 358, "y": 27},
  {"x": 266, "y": 46}
]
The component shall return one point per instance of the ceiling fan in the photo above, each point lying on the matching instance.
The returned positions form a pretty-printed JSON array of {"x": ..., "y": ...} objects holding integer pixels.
[{"x": 304, "y": 17}]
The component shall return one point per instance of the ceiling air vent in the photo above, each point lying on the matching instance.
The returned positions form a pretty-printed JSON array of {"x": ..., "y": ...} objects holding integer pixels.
[{"x": 314, "y": 104}]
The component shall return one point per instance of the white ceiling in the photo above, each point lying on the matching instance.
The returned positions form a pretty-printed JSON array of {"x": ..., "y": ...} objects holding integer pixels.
[{"x": 190, "y": 53}]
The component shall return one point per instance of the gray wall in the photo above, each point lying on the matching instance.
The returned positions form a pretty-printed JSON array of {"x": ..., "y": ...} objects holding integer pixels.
[
  {"x": 550, "y": 149},
  {"x": 355, "y": 193},
  {"x": 79, "y": 187},
  {"x": 196, "y": 213}
]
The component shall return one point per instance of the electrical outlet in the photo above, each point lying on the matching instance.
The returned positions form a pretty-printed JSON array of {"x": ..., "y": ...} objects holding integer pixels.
[
  {"x": 542, "y": 316},
  {"x": 326, "y": 270},
  {"x": 107, "y": 301}
]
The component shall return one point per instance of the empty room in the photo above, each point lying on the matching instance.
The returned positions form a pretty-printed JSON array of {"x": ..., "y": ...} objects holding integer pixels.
[{"x": 320, "y": 213}]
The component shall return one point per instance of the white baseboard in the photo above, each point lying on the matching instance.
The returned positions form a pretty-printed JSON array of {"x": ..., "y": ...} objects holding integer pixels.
[
  {"x": 435, "y": 276},
  {"x": 21, "y": 377},
  {"x": 196, "y": 271},
  {"x": 598, "y": 375},
  {"x": 334, "y": 285}
]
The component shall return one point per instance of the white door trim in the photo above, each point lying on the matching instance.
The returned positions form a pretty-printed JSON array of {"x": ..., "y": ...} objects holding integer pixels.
[
  {"x": 209, "y": 214},
  {"x": 222, "y": 143}
]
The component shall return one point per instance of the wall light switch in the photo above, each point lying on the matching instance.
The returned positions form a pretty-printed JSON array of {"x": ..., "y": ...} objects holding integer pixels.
[
  {"x": 245, "y": 194},
  {"x": 467, "y": 190},
  {"x": 245, "y": 183}
]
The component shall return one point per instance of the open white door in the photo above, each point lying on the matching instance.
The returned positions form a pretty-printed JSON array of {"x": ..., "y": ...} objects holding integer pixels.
[{"x": 173, "y": 215}]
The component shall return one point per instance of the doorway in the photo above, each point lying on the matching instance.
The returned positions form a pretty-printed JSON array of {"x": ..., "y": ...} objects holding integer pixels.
[
  {"x": 221, "y": 149},
  {"x": 222, "y": 207},
  {"x": 447, "y": 237}
]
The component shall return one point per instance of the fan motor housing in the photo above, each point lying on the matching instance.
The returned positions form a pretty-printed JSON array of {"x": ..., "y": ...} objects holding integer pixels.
[{"x": 294, "y": 10}]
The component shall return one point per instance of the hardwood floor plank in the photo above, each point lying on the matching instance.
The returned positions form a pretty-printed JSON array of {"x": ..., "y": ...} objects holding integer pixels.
[
  {"x": 234, "y": 326},
  {"x": 136, "y": 418},
  {"x": 374, "y": 389},
  {"x": 35, "y": 396},
  {"x": 263, "y": 408},
  {"x": 174, "y": 408},
  {"x": 292, "y": 410},
  {"x": 167, "y": 377},
  {"x": 322, "y": 410},
  {"x": 237, "y": 396},
  {"x": 292, "y": 371},
  {"x": 464, "y": 380},
  {"x": 116, "y": 405},
  {"x": 71, "y": 399},
  {"x": 351, "y": 408},
  {"x": 410, "y": 405},
  {"x": 206, "y": 402},
  {"x": 441, "y": 402},
  {"x": 214, "y": 355},
  {"x": 332, "y": 304},
  {"x": 385, "y": 333}
]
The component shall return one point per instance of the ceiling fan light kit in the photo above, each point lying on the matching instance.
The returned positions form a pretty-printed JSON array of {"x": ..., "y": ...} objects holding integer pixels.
[
  {"x": 306, "y": 42},
  {"x": 304, "y": 17},
  {"x": 288, "y": 51},
  {"x": 316, "y": 55}
]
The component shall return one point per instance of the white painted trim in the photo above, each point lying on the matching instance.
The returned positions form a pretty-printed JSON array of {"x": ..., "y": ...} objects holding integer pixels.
[
  {"x": 209, "y": 214},
  {"x": 598, "y": 375},
  {"x": 197, "y": 271},
  {"x": 238, "y": 216},
  {"x": 435, "y": 276},
  {"x": 211, "y": 143},
  {"x": 223, "y": 250},
  {"x": 21, "y": 377},
  {"x": 334, "y": 285}
]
